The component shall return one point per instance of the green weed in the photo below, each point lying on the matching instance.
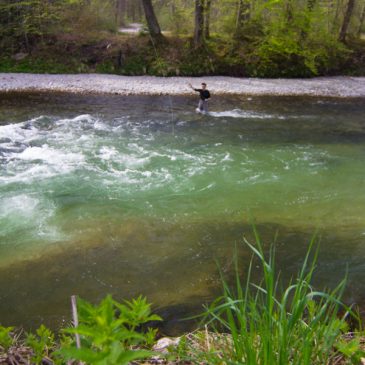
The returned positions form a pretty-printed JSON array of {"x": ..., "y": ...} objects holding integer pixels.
[
  {"x": 6, "y": 339},
  {"x": 111, "y": 331},
  {"x": 42, "y": 343},
  {"x": 270, "y": 325},
  {"x": 37, "y": 65}
]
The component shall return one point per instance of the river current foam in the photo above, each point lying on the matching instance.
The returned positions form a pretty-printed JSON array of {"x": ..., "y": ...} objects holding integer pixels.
[{"x": 51, "y": 163}]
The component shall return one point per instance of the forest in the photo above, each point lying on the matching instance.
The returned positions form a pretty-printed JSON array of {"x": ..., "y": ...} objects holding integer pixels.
[{"x": 255, "y": 38}]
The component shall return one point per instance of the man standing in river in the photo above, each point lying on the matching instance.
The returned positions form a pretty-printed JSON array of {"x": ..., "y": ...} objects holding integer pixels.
[{"x": 204, "y": 96}]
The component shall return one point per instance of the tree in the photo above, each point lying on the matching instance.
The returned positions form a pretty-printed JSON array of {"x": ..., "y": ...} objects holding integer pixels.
[
  {"x": 23, "y": 22},
  {"x": 243, "y": 14},
  {"x": 362, "y": 19},
  {"x": 346, "y": 20},
  {"x": 121, "y": 8},
  {"x": 289, "y": 11},
  {"x": 208, "y": 5},
  {"x": 152, "y": 22},
  {"x": 199, "y": 23}
]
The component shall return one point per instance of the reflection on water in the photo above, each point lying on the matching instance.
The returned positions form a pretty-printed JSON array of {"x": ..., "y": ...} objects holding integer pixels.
[{"x": 130, "y": 195}]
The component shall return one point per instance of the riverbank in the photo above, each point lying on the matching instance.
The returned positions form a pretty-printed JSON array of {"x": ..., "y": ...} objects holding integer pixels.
[
  {"x": 235, "y": 327},
  {"x": 149, "y": 85}
]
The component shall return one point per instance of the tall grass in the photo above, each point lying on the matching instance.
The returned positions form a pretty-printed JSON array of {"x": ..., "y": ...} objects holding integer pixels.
[{"x": 270, "y": 324}]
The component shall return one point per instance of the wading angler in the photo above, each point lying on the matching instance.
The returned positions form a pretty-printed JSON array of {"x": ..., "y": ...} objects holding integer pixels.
[{"x": 204, "y": 97}]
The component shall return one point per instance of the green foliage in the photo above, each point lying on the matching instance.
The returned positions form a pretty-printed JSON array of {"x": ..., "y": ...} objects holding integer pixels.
[
  {"x": 38, "y": 65},
  {"x": 25, "y": 20},
  {"x": 106, "y": 67},
  {"x": 25, "y": 23},
  {"x": 160, "y": 67},
  {"x": 182, "y": 349},
  {"x": 110, "y": 330},
  {"x": 270, "y": 325},
  {"x": 93, "y": 15},
  {"x": 42, "y": 343},
  {"x": 150, "y": 336},
  {"x": 176, "y": 17},
  {"x": 261, "y": 324},
  {"x": 5, "y": 337},
  {"x": 226, "y": 22},
  {"x": 352, "y": 350},
  {"x": 276, "y": 38},
  {"x": 293, "y": 42},
  {"x": 111, "y": 333},
  {"x": 134, "y": 65}
]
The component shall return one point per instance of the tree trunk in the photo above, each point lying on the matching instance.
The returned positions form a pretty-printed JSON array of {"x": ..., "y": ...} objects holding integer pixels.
[
  {"x": 289, "y": 12},
  {"x": 120, "y": 12},
  {"x": 335, "y": 23},
  {"x": 362, "y": 19},
  {"x": 310, "y": 5},
  {"x": 346, "y": 20},
  {"x": 199, "y": 23},
  {"x": 207, "y": 19},
  {"x": 243, "y": 13},
  {"x": 308, "y": 20},
  {"x": 132, "y": 6},
  {"x": 152, "y": 23},
  {"x": 172, "y": 9},
  {"x": 134, "y": 11},
  {"x": 139, "y": 11}
]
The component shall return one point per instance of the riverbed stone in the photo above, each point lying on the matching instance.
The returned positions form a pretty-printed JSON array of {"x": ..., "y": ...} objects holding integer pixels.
[
  {"x": 164, "y": 343},
  {"x": 337, "y": 86}
]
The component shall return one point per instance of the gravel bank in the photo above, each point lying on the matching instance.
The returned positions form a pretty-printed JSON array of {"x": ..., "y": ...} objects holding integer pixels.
[{"x": 132, "y": 85}]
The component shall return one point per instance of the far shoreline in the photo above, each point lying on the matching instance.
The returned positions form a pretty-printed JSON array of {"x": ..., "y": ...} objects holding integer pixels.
[{"x": 334, "y": 86}]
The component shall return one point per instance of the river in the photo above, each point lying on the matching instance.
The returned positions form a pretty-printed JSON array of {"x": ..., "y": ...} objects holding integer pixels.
[{"x": 134, "y": 195}]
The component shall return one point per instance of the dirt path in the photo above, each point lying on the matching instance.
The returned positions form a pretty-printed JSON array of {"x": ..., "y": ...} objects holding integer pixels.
[{"x": 132, "y": 28}]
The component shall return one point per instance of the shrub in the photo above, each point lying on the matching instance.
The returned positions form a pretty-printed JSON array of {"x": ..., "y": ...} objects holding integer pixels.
[
  {"x": 110, "y": 331},
  {"x": 42, "y": 343},
  {"x": 269, "y": 325},
  {"x": 5, "y": 337}
]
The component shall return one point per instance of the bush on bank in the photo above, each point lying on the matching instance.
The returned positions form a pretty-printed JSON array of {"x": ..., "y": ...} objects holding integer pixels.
[
  {"x": 251, "y": 323},
  {"x": 280, "y": 56}
]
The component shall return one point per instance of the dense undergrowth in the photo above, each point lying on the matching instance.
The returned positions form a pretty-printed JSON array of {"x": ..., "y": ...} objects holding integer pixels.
[
  {"x": 138, "y": 55},
  {"x": 251, "y": 323}
]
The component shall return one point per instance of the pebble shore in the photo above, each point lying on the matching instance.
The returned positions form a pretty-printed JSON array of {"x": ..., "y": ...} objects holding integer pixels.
[{"x": 339, "y": 86}]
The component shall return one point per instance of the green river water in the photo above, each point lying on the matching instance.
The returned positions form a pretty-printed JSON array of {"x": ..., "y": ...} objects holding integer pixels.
[{"x": 139, "y": 195}]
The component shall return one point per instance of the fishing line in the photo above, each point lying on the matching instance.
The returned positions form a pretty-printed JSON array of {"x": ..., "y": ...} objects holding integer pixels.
[{"x": 172, "y": 115}]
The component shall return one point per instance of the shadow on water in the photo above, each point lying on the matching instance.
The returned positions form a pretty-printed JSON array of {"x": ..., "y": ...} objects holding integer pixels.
[
  {"x": 173, "y": 265},
  {"x": 141, "y": 196}
]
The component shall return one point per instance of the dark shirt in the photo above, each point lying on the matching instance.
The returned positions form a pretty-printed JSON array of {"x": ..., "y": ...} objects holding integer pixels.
[{"x": 204, "y": 94}]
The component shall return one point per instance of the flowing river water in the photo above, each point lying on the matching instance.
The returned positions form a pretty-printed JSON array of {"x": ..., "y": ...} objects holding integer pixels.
[{"x": 139, "y": 195}]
